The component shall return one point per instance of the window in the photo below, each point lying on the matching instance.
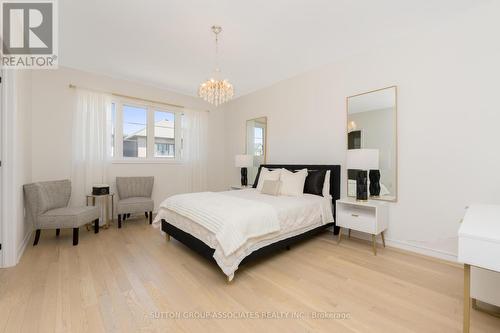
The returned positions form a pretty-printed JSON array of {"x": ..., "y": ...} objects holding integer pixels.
[
  {"x": 164, "y": 149},
  {"x": 144, "y": 132},
  {"x": 164, "y": 134},
  {"x": 135, "y": 136},
  {"x": 258, "y": 136}
]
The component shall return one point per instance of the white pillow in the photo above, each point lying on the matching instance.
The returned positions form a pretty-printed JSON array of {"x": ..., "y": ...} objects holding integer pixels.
[
  {"x": 271, "y": 187},
  {"x": 292, "y": 184},
  {"x": 326, "y": 184},
  {"x": 266, "y": 174}
]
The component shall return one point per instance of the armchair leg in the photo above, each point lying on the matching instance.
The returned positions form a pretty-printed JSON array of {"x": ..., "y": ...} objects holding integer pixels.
[
  {"x": 146, "y": 213},
  {"x": 150, "y": 217},
  {"x": 58, "y": 232},
  {"x": 119, "y": 221},
  {"x": 128, "y": 215},
  {"x": 96, "y": 226},
  {"x": 37, "y": 237},
  {"x": 75, "y": 236},
  {"x": 124, "y": 217}
]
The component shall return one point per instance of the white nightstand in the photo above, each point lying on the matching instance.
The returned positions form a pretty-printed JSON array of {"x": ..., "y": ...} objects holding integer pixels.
[
  {"x": 370, "y": 216},
  {"x": 239, "y": 187}
]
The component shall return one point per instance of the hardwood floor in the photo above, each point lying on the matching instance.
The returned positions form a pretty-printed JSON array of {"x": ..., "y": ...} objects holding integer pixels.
[{"x": 125, "y": 280}]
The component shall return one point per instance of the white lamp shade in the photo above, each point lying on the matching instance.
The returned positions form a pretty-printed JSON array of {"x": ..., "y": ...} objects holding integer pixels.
[
  {"x": 243, "y": 161},
  {"x": 362, "y": 159}
]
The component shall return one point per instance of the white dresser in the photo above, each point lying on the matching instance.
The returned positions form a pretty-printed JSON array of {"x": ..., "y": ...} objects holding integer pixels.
[
  {"x": 479, "y": 246},
  {"x": 371, "y": 216}
]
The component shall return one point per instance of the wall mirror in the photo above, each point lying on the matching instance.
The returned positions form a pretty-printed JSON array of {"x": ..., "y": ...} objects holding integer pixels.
[
  {"x": 372, "y": 125},
  {"x": 256, "y": 143}
]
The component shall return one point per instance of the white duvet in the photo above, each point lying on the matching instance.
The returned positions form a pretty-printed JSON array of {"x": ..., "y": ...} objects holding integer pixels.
[
  {"x": 236, "y": 223},
  {"x": 231, "y": 219}
]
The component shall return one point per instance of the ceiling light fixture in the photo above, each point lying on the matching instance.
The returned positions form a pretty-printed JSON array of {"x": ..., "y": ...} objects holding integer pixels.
[{"x": 215, "y": 90}]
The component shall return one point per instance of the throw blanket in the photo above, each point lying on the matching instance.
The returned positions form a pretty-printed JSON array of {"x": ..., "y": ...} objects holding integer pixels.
[{"x": 232, "y": 220}]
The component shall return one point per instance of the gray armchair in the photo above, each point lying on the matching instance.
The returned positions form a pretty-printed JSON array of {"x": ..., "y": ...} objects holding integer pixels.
[
  {"x": 134, "y": 197},
  {"x": 47, "y": 208}
]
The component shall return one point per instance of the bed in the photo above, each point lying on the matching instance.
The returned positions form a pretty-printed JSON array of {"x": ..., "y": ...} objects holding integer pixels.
[{"x": 272, "y": 223}]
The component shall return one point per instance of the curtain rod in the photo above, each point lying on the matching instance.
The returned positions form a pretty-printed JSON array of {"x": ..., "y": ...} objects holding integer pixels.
[{"x": 72, "y": 86}]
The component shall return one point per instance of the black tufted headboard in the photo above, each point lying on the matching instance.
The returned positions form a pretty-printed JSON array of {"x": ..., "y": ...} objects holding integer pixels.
[{"x": 334, "y": 176}]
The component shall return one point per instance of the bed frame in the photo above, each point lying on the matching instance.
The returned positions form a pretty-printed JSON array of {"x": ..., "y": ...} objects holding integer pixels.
[{"x": 207, "y": 252}]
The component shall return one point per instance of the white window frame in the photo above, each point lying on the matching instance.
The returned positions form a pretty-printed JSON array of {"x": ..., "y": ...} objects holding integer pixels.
[{"x": 150, "y": 146}]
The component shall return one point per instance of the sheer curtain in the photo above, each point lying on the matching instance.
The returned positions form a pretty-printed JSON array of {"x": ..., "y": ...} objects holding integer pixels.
[
  {"x": 91, "y": 143},
  {"x": 194, "y": 150}
]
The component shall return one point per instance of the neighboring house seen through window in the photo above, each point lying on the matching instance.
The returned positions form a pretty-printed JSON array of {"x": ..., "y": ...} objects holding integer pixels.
[
  {"x": 164, "y": 134},
  {"x": 144, "y": 132},
  {"x": 135, "y": 137}
]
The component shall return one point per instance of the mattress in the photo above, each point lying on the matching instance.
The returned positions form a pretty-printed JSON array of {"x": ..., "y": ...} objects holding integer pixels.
[{"x": 296, "y": 215}]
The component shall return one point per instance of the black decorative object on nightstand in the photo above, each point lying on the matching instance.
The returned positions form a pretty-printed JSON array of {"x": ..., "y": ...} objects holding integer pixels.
[
  {"x": 244, "y": 179},
  {"x": 362, "y": 186},
  {"x": 374, "y": 183}
]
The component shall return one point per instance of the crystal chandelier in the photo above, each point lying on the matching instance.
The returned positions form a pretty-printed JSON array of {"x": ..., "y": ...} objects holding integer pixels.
[{"x": 214, "y": 90}]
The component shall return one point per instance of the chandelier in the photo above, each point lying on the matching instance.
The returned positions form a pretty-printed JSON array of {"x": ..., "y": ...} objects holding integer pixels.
[{"x": 214, "y": 90}]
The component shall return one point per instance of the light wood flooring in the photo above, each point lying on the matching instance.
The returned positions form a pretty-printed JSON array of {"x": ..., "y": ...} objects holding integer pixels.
[{"x": 121, "y": 280}]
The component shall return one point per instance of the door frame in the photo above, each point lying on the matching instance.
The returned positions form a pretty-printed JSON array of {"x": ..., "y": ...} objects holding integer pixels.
[
  {"x": 8, "y": 174},
  {"x": 2, "y": 83}
]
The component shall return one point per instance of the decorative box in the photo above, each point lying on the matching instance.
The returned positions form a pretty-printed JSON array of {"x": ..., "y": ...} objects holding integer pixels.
[{"x": 100, "y": 189}]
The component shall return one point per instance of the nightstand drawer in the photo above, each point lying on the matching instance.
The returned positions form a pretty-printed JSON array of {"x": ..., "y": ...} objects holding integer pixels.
[{"x": 357, "y": 218}]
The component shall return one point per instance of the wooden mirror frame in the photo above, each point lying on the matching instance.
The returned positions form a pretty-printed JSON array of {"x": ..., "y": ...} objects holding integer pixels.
[
  {"x": 396, "y": 185},
  {"x": 265, "y": 138}
]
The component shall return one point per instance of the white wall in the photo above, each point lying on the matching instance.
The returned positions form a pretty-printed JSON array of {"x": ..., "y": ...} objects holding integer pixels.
[
  {"x": 448, "y": 116},
  {"x": 16, "y": 163},
  {"x": 53, "y": 105}
]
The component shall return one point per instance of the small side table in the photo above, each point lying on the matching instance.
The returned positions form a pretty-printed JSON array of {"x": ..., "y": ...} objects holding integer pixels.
[
  {"x": 371, "y": 216},
  {"x": 106, "y": 197}
]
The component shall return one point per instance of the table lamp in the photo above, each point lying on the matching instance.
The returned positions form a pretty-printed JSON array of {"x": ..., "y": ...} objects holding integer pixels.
[{"x": 243, "y": 162}]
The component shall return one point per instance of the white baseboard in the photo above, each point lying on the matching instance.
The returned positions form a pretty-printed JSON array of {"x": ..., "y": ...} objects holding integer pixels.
[
  {"x": 445, "y": 255},
  {"x": 403, "y": 245},
  {"x": 22, "y": 246}
]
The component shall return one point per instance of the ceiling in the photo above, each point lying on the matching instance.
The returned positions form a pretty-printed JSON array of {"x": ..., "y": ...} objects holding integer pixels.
[{"x": 169, "y": 43}]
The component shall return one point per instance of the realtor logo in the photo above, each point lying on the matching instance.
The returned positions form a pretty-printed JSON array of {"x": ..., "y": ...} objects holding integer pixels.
[{"x": 29, "y": 34}]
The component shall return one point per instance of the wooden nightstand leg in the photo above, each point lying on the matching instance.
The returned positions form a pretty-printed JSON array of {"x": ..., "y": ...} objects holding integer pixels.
[
  {"x": 340, "y": 236},
  {"x": 383, "y": 238},
  {"x": 466, "y": 318},
  {"x": 349, "y": 234},
  {"x": 374, "y": 244}
]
